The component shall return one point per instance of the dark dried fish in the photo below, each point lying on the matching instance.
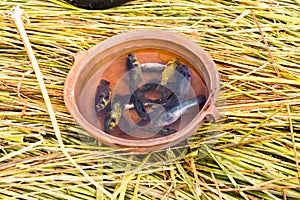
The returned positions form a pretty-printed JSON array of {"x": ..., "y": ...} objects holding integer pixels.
[
  {"x": 103, "y": 95},
  {"x": 138, "y": 99},
  {"x": 114, "y": 115},
  {"x": 174, "y": 113},
  {"x": 135, "y": 72},
  {"x": 166, "y": 75},
  {"x": 135, "y": 77}
]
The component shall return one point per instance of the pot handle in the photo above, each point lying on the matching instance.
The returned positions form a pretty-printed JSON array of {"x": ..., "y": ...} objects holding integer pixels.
[
  {"x": 212, "y": 114},
  {"x": 79, "y": 57}
]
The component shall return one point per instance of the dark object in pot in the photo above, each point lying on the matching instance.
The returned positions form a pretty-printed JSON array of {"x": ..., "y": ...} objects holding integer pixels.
[
  {"x": 97, "y": 4},
  {"x": 103, "y": 95},
  {"x": 114, "y": 115}
]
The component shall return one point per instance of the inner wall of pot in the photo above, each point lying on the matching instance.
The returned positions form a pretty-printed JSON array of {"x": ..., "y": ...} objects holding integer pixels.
[{"x": 112, "y": 66}]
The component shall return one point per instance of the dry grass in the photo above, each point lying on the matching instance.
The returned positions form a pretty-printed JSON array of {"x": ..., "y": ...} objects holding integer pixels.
[{"x": 255, "y": 153}]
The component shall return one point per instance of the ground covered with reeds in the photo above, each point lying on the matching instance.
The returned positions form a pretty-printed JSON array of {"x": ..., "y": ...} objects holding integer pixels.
[{"x": 253, "y": 152}]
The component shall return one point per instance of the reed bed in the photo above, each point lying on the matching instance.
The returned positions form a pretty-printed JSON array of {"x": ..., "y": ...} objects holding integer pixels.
[{"x": 252, "y": 152}]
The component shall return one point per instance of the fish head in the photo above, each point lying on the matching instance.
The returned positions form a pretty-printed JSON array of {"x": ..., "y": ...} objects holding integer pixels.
[
  {"x": 109, "y": 124},
  {"x": 163, "y": 120},
  {"x": 104, "y": 82},
  {"x": 132, "y": 62},
  {"x": 102, "y": 98},
  {"x": 184, "y": 71}
]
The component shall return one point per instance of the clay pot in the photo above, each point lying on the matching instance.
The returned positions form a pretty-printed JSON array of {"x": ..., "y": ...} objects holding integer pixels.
[{"x": 107, "y": 60}]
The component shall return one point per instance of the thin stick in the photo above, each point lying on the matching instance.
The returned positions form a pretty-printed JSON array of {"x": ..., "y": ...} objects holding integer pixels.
[
  {"x": 20, "y": 96},
  {"x": 284, "y": 194},
  {"x": 233, "y": 145},
  {"x": 260, "y": 124},
  {"x": 217, "y": 185},
  {"x": 246, "y": 12},
  {"x": 293, "y": 140},
  {"x": 25, "y": 149},
  {"x": 20, "y": 26},
  {"x": 266, "y": 80},
  {"x": 266, "y": 43}
]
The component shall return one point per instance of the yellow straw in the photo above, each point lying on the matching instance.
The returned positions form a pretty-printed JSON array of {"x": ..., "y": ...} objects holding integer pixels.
[{"x": 17, "y": 14}]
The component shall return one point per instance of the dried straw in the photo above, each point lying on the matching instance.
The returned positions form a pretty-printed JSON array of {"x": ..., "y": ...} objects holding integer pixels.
[{"x": 251, "y": 153}]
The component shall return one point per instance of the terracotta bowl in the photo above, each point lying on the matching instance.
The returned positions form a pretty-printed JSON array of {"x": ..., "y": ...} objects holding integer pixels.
[{"x": 107, "y": 60}]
